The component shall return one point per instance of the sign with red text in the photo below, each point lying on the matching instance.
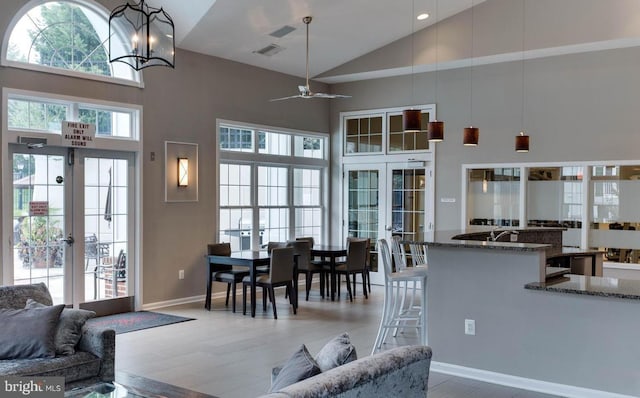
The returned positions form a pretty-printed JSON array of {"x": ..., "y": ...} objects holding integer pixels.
[
  {"x": 78, "y": 134},
  {"x": 39, "y": 208}
]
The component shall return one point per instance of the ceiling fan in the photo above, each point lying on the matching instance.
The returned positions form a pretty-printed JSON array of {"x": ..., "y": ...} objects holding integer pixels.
[{"x": 305, "y": 91}]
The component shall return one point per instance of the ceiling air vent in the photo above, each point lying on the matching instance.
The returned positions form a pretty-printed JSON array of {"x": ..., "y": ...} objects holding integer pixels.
[
  {"x": 283, "y": 31},
  {"x": 269, "y": 50}
]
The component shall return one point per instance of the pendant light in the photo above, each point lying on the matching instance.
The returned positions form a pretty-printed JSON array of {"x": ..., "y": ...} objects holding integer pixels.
[
  {"x": 522, "y": 139},
  {"x": 470, "y": 135},
  {"x": 435, "y": 128},
  {"x": 148, "y": 39},
  {"x": 412, "y": 118}
]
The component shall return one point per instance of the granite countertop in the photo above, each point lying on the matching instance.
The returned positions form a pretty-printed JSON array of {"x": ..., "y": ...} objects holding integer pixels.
[
  {"x": 591, "y": 286},
  {"x": 477, "y": 244},
  {"x": 575, "y": 251}
]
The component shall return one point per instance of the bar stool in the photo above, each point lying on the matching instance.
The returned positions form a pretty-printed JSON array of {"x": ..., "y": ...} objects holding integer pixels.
[{"x": 394, "y": 314}]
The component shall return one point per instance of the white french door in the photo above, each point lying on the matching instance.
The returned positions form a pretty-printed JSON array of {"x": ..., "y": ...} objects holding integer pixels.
[
  {"x": 387, "y": 199},
  {"x": 72, "y": 212}
]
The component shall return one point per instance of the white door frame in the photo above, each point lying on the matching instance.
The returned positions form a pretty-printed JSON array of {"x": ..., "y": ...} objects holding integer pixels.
[{"x": 385, "y": 200}]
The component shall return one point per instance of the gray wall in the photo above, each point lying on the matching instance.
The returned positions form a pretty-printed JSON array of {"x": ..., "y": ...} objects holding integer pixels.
[
  {"x": 182, "y": 105},
  {"x": 578, "y": 340},
  {"x": 577, "y": 107}
]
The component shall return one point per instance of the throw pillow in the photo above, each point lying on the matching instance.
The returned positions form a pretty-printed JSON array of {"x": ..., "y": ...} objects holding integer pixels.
[
  {"x": 300, "y": 366},
  {"x": 336, "y": 352},
  {"x": 69, "y": 329},
  {"x": 28, "y": 333}
]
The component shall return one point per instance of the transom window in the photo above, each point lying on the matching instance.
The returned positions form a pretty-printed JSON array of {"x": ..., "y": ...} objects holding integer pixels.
[
  {"x": 66, "y": 37},
  {"x": 42, "y": 114},
  {"x": 381, "y": 132},
  {"x": 270, "y": 185}
]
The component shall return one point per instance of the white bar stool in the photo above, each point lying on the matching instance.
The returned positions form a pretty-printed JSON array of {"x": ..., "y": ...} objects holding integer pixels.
[{"x": 394, "y": 313}]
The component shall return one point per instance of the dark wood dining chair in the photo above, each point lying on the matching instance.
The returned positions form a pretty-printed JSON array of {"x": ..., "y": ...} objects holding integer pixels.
[
  {"x": 280, "y": 274},
  {"x": 355, "y": 264},
  {"x": 227, "y": 274},
  {"x": 367, "y": 265},
  {"x": 302, "y": 249}
]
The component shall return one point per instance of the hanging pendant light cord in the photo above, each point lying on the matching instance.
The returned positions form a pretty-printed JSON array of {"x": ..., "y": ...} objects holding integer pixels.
[
  {"x": 471, "y": 71},
  {"x": 437, "y": 28},
  {"x": 413, "y": 77},
  {"x": 524, "y": 2}
]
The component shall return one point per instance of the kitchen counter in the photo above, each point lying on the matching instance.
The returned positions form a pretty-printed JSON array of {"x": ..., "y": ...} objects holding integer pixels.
[{"x": 591, "y": 286}]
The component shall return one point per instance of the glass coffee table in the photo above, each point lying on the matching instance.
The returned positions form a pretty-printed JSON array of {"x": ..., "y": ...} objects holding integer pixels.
[
  {"x": 133, "y": 386},
  {"x": 110, "y": 390}
]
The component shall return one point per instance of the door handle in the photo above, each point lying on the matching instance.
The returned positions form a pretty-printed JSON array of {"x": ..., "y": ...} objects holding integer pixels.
[
  {"x": 389, "y": 228},
  {"x": 69, "y": 240}
]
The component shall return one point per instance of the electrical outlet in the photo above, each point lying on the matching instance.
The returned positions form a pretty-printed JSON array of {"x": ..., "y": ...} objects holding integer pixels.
[
  {"x": 470, "y": 327},
  {"x": 514, "y": 237},
  {"x": 181, "y": 274}
]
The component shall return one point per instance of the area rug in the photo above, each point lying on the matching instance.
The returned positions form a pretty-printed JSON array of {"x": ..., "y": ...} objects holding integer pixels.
[{"x": 132, "y": 321}]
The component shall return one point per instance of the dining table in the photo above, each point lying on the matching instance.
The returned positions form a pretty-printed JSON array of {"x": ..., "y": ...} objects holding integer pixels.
[
  {"x": 330, "y": 252},
  {"x": 248, "y": 259}
]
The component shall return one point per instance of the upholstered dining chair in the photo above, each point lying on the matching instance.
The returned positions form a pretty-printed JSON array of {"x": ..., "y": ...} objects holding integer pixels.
[
  {"x": 308, "y": 239},
  {"x": 367, "y": 265},
  {"x": 280, "y": 274},
  {"x": 302, "y": 249},
  {"x": 227, "y": 274},
  {"x": 355, "y": 264}
]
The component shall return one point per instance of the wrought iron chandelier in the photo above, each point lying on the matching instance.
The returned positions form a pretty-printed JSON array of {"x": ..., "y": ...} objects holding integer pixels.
[{"x": 141, "y": 36}]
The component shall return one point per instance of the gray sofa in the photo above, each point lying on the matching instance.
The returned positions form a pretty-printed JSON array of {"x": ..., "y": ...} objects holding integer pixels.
[
  {"x": 94, "y": 357},
  {"x": 398, "y": 372}
]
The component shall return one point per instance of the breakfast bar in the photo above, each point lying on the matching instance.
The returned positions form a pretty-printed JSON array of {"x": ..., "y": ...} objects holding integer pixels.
[{"x": 582, "y": 330}]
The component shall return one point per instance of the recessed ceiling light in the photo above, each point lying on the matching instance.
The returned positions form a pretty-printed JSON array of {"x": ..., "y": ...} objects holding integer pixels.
[{"x": 422, "y": 17}]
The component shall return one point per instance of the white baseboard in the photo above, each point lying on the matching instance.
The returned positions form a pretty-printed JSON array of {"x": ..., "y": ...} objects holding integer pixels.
[
  {"x": 194, "y": 299},
  {"x": 184, "y": 300},
  {"x": 522, "y": 382}
]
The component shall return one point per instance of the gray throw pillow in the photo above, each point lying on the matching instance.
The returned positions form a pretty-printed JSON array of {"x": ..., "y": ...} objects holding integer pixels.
[
  {"x": 336, "y": 352},
  {"x": 69, "y": 329},
  {"x": 28, "y": 333},
  {"x": 300, "y": 366}
]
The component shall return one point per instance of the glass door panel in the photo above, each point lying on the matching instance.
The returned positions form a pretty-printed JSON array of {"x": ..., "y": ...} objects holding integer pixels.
[
  {"x": 106, "y": 226},
  {"x": 364, "y": 207},
  {"x": 386, "y": 200},
  {"x": 39, "y": 220}
]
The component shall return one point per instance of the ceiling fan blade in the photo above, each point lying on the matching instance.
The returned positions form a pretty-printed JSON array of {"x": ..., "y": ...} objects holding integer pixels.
[
  {"x": 286, "y": 98},
  {"x": 323, "y": 95}
]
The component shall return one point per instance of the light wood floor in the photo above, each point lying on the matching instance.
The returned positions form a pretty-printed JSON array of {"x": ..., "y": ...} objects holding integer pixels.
[{"x": 230, "y": 355}]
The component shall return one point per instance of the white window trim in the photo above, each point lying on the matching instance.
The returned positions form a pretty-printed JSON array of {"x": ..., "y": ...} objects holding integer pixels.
[
  {"x": 96, "y": 7},
  {"x": 112, "y": 143},
  {"x": 384, "y": 113},
  {"x": 524, "y": 167},
  {"x": 256, "y": 159}
]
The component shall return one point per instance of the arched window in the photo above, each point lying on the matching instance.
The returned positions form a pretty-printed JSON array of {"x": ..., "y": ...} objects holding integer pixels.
[{"x": 65, "y": 37}]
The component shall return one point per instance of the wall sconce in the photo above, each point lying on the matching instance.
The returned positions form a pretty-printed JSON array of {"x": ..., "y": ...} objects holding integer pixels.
[
  {"x": 183, "y": 172},
  {"x": 149, "y": 36}
]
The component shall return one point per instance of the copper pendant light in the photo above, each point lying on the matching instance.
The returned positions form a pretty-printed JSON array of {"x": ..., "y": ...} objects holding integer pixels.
[
  {"x": 522, "y": 142},
  {"x": 435, "y": 131},
  {"x": 412, "y": 120},
  {"x": 470, "y": 136}
]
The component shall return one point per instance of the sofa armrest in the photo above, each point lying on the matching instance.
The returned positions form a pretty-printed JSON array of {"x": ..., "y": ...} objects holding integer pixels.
[
  {"x": 401, "y": 371},
  {"x": 101, "y": 343}
]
